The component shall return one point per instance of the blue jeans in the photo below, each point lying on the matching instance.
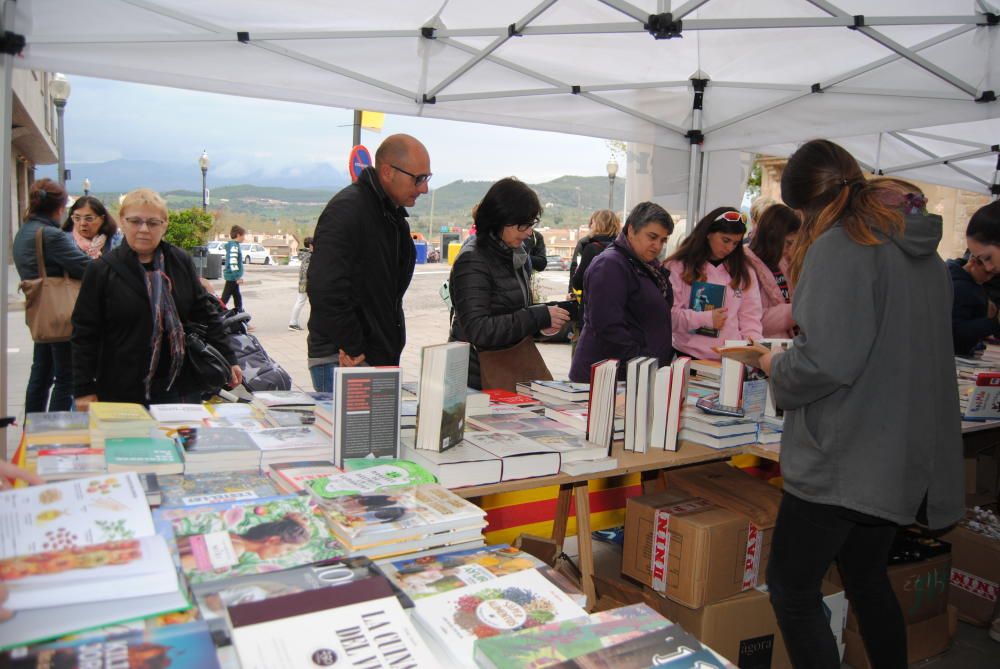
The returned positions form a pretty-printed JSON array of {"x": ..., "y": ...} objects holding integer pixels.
[
  {"x": 51, "y": 369},
  {"x": 322, "y": 377}
]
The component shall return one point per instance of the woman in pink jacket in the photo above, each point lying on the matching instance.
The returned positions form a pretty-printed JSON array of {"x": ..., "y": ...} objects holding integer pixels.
[
  {"x": 769, "y": 253},
  {"x": 711, "y": 260}
]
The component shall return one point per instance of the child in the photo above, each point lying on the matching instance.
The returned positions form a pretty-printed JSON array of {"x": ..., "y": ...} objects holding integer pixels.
[
  {"x": 302, "y": 298},
  {"x": 232, "y": 270}
]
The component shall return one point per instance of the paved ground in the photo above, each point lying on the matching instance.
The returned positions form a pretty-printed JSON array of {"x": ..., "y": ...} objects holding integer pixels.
[{"x": 268, "y": 294}]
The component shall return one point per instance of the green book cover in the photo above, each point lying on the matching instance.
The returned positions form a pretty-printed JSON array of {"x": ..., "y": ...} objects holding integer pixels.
[
  {"x": 368, "y": 475},
  {"x": 141, "y": 450}
]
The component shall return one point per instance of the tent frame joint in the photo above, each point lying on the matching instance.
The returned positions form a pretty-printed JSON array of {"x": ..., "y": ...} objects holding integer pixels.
[
  {"x": 243, "y": 37},
  {"x": 995, "y": 190},
  {"x": 11, "y": 43},
  {"x": 695, "y": 136},
  {"x": 575, "y": 90},
  {"x": 987, "y": 96},
  {"x": 991, "y": 19},
  {"x": 429, "y": 99},
  {"x": 427, "y": 32},
  {"x": 512, "y": 31},
  {"x": 859, "y": 22},
  {"x": 663, "y": 26},
  {"x": 816, "y": 88}
]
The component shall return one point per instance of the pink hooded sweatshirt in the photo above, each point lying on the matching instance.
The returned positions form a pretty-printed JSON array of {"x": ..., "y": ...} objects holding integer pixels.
[
  {"x": 777, "y": 319},
  {"x": 743, "y": 316}
]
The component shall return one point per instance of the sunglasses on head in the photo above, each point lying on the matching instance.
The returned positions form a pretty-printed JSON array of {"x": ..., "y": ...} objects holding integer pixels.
[{"x": 725, "y": 217}]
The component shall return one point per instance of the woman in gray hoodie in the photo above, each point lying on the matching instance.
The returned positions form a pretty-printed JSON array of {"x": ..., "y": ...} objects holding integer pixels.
[{"x": 872, "y": 436}]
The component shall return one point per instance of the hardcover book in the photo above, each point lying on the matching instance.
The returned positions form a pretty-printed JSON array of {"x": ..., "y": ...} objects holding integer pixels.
[
  {"x": 706, "y": 297},
  {"x": 521, "y": 456},
  {"x": 444, "y": 379}
]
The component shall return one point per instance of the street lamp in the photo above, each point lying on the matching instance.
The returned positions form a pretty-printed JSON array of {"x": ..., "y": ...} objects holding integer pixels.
[
  {"x": 612, "y": 171},
  {"x": 86, "y": 186},
  {"x": 60, "y": 89},
  {"x": 203, "y": 164}
]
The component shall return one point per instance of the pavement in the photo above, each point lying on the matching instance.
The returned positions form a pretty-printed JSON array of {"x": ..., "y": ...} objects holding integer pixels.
[{"x": 268, "y": 295}]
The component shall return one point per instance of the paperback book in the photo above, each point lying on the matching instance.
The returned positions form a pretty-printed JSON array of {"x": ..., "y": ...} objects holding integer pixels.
[
  {"x": 215, "y": 487},
  {"x": 366, "y": 413},
  {"x": 444, "y": 375},
  {"x": 706, "y": 297},
  {"x": 375, "y": 478},
  {"x": 429, "y": 576},
  {"x": 146, "y": 455}
]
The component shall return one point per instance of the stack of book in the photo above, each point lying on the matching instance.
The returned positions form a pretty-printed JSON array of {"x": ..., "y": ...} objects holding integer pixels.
[
  {"x": 654, "y": 400},
  {"x": 235, "y": 414},
  {"x": 215, "y": 487},
  {"x": 145, "y": 455},
  {"x": 109, "y": 420},
  {"x": 292, "y": 477},
  {"x": 706, "y": 374},
  {"x": 286, "y": 408},
  {"x": 220, "y": 449},
  {"x": 716, "y": 431},
  {"x": 291, "y": 444},
  {"x": 57, "y": 446},
  {"x": 184, "y": 414},
  {"x": 560, "y": 392}
]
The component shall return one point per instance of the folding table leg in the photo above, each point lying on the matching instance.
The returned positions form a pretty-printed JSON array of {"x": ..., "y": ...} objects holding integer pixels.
[
  {"x": 585, "y": 541},
  {"x": 562, "y": 514}
]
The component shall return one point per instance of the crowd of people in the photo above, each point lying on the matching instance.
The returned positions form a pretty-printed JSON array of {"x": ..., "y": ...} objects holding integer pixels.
[{"x": 848, "y": 266}]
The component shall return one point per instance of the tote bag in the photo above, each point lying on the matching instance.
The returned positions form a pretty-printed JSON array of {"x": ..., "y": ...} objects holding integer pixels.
[
  {"x": 49, "y": 301},
  {"x": 506, "y": 367}
]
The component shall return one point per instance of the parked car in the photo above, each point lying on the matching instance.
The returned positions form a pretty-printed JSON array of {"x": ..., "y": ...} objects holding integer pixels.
[
  {"x": 294, "y": 261},
  {"x": 216, "y": 248},
  {"x": 557, "y": 263},
  {"x": 256, "y": 253}
]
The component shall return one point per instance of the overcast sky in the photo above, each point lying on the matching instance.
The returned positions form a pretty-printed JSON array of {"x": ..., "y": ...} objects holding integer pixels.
[{"x": 108, "y": 120}]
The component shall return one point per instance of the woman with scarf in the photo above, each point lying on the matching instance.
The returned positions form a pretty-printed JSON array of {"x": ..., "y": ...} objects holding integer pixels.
[
  {"x": 92, "y": 227},
  {"x": 628, "y": 296},
  {"x": 490, "y": 282},
  {"x": 128, "y": 324}
]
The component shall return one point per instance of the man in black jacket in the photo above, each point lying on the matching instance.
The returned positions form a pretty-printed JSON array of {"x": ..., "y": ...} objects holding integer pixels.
[{"x": 362, "y": 263}]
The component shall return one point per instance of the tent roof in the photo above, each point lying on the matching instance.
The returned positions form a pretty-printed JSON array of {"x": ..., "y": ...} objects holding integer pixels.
[{"x": 779, "y": 71}]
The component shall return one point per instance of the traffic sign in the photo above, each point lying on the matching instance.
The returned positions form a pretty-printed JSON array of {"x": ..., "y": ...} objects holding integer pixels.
[{"x": 359, "y": 160}]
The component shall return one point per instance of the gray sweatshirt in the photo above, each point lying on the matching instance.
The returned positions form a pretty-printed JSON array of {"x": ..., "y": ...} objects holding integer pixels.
[{"x": 872, "y": 420}]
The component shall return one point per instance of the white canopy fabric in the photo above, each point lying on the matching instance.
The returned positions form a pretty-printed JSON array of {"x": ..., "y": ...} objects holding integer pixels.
[{"x": 767, "y": 73}]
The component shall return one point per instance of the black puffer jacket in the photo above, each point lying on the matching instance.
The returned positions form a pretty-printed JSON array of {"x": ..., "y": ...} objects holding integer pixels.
[
  {"x": 112, "y": 324},
  {"x": 970, "y": 321},
  {"x": 361, "y": 266},
  {"x": 491, "y": 301}
]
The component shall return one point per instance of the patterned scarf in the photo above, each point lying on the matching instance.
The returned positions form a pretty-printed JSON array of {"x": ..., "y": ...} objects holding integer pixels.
[
  {"x": 159, "y": 287},
  {"x": 92, "y": 247},
  {"x": 654, "y": 270}
]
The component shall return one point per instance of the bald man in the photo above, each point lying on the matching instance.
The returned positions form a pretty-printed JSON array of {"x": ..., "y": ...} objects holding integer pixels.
[{"x": 362, "y": 263}]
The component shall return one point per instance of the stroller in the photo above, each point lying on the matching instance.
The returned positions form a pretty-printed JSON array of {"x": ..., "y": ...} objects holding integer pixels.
[{"x": 260, "y": 371}]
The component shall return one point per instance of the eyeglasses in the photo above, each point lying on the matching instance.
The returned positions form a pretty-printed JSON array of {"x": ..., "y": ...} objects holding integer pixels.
[
  {"x": 985, "y": 259},
  {"x": 89, "y": 218},
  {"x": 418, "y": 179},
  {"x": 150, "y": 223},
  {"x": 524, "y": 227}
]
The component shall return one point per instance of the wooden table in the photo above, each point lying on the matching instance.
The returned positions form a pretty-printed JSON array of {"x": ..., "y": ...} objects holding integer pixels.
[{"x": 576, "y": 486}]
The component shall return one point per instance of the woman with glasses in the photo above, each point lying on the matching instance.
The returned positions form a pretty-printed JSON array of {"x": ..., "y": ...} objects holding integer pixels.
[
  {"x": 92, "y": 227},
  {"x": 490, "y": 282},
  {"x": 973, "y": 316},
  {"x": 128, "y": 324},
  {"x": 51, "y": 368},
  {"x": 769, "y": 252},
  {"x": 715, "y": 290},
  {"x": 628, "y": 293}
]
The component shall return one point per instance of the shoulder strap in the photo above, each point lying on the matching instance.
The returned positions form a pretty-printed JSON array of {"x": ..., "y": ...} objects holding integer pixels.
[{"x": 39, "y": 252}]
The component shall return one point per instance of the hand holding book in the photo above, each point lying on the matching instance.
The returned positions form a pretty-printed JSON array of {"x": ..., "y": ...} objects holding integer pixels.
[{"x": 751, "y": 354}]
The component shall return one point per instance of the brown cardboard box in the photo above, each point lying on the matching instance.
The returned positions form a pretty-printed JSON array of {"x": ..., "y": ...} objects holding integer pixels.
[
  {"x": 975, "y": 575},
  {"x": 743, "y": 628},
  {"x": 704, "y": 554},
  {"x": 920, "y": 587},
  {"x": 731, "y": 488},
  {"x": 924, "y": 639}
]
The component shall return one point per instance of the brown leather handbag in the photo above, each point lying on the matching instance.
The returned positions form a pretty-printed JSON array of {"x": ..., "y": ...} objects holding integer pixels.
[
  {"x": 505, "y": 368},
  {"x": 49, "y": 301}
]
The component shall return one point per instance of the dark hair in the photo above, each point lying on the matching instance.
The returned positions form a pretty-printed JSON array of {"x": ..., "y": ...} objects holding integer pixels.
[
  {"x": 984, "y": 226},
  {"x": 825, "y": 182},
  {"x": 775, "y": 224},
  {"x": 290, "y": 529},
  {"x": 108, "y": 228},
  {"x": 645, "y": 213},
  {"x": 507, "y": 202},
  {"x": 694, "y": 251},
  {"x": 308, "y": 241},
  {"x": 236, "y": 231},
  {"x": 46, "y": 197}
]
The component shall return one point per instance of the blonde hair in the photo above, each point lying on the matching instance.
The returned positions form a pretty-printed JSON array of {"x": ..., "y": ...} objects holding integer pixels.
[
  {"x": 143, "y": 197},
  {"x": 605, "y": 222},
  {"x": 759, "y": 205}
]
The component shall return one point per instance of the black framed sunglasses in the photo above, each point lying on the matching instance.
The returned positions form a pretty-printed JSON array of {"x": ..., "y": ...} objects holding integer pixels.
[{"x": 418, "y": 179}]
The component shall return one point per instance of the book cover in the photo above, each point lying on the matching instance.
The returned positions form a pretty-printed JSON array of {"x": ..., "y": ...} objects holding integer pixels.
[
  {"x": 427, "y": 576},
  {"x": 188, "y": 645},
  {"x": 209, "y": 440},
  {"x": 372, "y": 634},
  {"x": 118, "y": 412},
  {"x": 80, "y": 512},
  {"x": 522, "y": 457},
  {"x": 444, "y": 379},
  {"x": 460, "y": 466},
  {"x": 557, "y": 642},
  {"x": 233, "y": 410},
  {"x": 566, "y": 390},
  {"x": 669, "y": 646},
  {"x": 517, "y": 422},
  {"x": 506, "y": 604},
  {"x": 366, "y": 410},
  {"x": 143, "y": 454},
  {"x": 706, "y": 297},
  {"x": 250, "y": 538},
  {"x": 215, "y": 487},
  {"x": 283, "y": 398},
  {"x": 571, "y": 447},
  {"x": 501, "y": 396},
  {"x": 369, "y": 476},
  {"x": 56, "y": 421},
  {"x": 984, "y": 402},
  {"x": 293, "y": 476},
  {"x": 58, "y": 461},
  {"x": 179, "y": 413},
  {"x": 283, "y": 438}
]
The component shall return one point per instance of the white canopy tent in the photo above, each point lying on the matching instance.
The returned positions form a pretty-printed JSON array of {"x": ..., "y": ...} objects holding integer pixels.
[{"x": 699, "y": 76}]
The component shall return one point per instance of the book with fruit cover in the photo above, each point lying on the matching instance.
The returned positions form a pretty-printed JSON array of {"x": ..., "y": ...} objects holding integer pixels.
[
  {"x": 356, "y": 625},
  {"x": 507, "y": 604},
  {"x": 215, "y": 487},
  {"x": 557, "y": 642},
  {"x": 187, "y": 645},
  {"x": 426, "y": 576},
  {"x": 249, "y": 538},
  {"x": 366, "y": 413}
]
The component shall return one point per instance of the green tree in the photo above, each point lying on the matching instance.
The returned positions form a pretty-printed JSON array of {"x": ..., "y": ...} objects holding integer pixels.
[{"x": 189, "y": 228}]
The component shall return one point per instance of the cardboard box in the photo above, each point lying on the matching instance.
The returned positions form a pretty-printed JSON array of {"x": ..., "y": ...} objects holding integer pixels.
[
  {"x": 691, "y": 549},
  {"x": 731, "y": 488},
  {"x": 923, "y": 640},
  {"x": 975, "y": 575},
  {"x": 921, "y": 588},
  {"x": 743, "y": 628}
]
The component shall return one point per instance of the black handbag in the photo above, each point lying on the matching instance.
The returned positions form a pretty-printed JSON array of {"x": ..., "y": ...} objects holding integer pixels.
[{"x": 205, "y": 365}]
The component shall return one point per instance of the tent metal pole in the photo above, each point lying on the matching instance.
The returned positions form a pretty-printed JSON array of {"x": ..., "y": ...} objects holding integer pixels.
[
  {"x": 6, "y": 215},
  {"x": 687, "y": 8},
  {"x": 878, "y": 153},
  {"x": 995, "y": 189},
  {"x": 940, "y": 138},
  {"x": 942, "y": 159},
  {"x": 696, "y": 137},
  {"x": 627, "y": 8},
  {"x": 901, "y": 138}
]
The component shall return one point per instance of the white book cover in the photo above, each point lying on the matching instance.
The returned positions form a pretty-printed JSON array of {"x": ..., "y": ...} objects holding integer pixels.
[
  {"x": 463, "y": 465},
  {"x": 522, "y": 457},
  {"x": 678, "y": 395},
  {"x": 731, "y": 378},
  {"x": 80, "y": 512},
  {"x": 631, "y": 398},
  {"x": 661, "y": 408},
  {"x": 770, "y": 408},
  {"x": 178, "y": 413},
  {"x": 284, "y": 438},
  {"x": 373, "y": 634},
  {"x": 507, "y": 604}
]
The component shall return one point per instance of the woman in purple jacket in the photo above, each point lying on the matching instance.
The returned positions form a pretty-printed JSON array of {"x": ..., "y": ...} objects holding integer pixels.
[{"x": 628, "y": 296}]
